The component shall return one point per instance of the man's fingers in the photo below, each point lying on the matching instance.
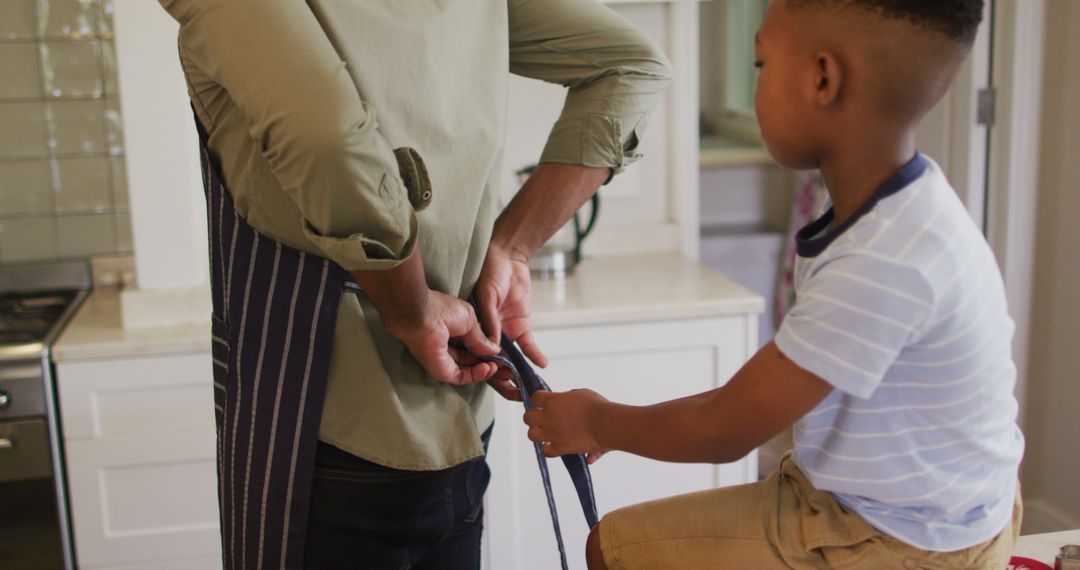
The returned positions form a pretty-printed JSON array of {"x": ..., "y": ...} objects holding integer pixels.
[
  {"x": 477, "y": 374},
  {"x": 593, "y": 457},
  {"x": 536, "y": 434},
  {"x": 462, "y": 356},
  {"x": 531, "y": 349},
  {"x": 503, "y": 373},
  {"x": 442, "y": 367},
  {"x": 476, "y": 342},
  {"x": 506, "y": 388},
  {"x": 489, "y": 314}
]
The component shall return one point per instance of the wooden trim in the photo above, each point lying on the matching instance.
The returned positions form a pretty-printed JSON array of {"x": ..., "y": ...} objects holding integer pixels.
[
  {"x": 968, "y": 140},
  {"x": 1012, "y": 195},
  {"x": 682, "y": 101}
]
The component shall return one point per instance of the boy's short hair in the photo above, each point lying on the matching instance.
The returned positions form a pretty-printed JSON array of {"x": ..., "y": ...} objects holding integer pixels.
[{"x": 957, "y": 19}]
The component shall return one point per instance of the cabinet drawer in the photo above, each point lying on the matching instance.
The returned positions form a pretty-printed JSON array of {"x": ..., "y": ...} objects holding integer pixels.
[
  {"x": 731, "y": 340},
  {"x": 24, "y": 450},
  {"x": 143, "y": 499},
  {"x": 136, "y": 396},
  {"x": 21, "y": 392}
]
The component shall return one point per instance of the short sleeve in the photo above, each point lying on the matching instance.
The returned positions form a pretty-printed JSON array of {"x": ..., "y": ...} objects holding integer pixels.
[{"x": 852, "y": 318}]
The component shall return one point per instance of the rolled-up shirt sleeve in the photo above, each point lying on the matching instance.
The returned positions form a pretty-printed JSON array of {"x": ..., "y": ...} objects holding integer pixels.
[
  {"x": 615, "y": 75},
  {"x": 321, "y": 140}
]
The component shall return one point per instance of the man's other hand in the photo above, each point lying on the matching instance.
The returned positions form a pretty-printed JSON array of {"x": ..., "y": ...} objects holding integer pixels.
[{"x": 428, "y": 334}]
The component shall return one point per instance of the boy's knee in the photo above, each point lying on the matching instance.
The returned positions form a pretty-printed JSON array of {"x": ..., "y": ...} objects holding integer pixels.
[{"x": 594, "y": 556}]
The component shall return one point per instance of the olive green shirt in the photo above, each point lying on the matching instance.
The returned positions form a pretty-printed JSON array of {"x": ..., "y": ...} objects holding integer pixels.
[{"x": 305, "y": 102}]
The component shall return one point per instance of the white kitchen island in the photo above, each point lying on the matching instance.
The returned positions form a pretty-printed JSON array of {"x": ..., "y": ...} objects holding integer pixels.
[{"x": 137, "y": 412}]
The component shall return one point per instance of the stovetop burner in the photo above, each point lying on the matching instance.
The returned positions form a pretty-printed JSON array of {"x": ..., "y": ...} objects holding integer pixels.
[
  {"x": 35, "y": 300},
  {"x": 27, "y": 317}
]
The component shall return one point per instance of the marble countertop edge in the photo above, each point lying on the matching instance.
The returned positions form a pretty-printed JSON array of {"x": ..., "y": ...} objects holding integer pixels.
[{"x": 603, "y": 290}]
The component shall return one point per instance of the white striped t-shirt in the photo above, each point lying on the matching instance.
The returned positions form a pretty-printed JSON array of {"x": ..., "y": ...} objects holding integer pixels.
[{"x": 902, "y": 309}]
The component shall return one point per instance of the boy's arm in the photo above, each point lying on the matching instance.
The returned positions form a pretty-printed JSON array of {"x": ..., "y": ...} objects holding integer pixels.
[{"x": 769, "y": 393}]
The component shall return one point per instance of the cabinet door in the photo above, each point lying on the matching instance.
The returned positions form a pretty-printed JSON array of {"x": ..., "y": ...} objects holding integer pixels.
[
  {"x": 136, "y": 396},
  {"x": 143, "y": 499},
  {"x": 636, "y": 364}
]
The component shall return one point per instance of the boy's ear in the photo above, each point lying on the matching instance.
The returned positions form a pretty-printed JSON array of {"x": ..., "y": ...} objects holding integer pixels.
[{"x": 828, "y": 78}]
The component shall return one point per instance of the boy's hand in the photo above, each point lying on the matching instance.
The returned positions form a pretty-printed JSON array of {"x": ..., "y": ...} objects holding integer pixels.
[{"x": 565, "y": 422}]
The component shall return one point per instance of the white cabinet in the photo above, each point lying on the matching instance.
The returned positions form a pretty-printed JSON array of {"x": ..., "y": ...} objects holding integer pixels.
[
  {"x": 634, "y": 363},
  {"x": 139, "y": 444}
]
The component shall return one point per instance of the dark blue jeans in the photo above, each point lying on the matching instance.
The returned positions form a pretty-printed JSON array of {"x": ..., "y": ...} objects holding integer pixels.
[{"x": 370, "y": 517}]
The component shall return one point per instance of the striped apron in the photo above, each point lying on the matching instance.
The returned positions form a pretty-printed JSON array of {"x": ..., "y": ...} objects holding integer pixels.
[
  {"x": 274, "y": 311},
  {"x": 274, "y": 315}
]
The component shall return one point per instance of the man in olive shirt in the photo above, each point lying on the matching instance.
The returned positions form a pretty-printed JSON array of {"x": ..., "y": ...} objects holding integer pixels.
[{"x": 304, "y": 103}]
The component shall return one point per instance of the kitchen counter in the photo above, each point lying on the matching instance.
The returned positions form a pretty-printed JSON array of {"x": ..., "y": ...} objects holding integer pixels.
[
  {"x": 606, "y": 290},
  {"x": 96, "y": 332},
  {"x": 603, "y": 291},
  {"x": 1044, "y": 547}
]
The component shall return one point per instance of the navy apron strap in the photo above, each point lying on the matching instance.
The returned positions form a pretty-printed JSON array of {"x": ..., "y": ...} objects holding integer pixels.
[{"x": 528, "y": 382}]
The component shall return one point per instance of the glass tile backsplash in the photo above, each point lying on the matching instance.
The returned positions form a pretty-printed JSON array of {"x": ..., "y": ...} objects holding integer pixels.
[{"x": 63, "y": 191}]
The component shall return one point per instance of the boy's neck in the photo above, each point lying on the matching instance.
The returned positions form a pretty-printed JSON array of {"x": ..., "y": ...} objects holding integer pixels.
[{"x": 854, "y": 171}]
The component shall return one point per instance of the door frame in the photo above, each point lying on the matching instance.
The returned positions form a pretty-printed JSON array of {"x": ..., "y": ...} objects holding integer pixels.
[{"x": 1013, "y": 162}]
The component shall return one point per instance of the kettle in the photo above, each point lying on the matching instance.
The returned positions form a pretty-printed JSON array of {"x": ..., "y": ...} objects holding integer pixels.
[{"x": 559, "y": 255}]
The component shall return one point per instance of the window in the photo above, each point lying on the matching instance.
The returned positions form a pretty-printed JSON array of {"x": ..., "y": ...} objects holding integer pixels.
[{"x": 728, "y": 76}]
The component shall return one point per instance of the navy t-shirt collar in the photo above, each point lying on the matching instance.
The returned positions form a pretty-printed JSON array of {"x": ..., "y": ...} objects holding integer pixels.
[{"x": 810, "y": 241}]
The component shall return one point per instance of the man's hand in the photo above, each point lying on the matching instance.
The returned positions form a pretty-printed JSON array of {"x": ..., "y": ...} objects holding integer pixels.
[
  {"x": 566, "y": 422},
  {"x": 426, "y": 321},
  {"x": 547, "y": 200},
  {"x": 428, "y": 336},
  {"x": 503, "y": 295}
]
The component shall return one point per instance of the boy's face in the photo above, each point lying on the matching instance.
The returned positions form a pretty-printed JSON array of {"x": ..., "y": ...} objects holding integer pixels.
[{"x": 782, "y": 99}]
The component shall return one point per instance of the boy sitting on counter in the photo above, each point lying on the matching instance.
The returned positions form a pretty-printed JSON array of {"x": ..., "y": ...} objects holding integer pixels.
[{"x": 894, "y": 364}]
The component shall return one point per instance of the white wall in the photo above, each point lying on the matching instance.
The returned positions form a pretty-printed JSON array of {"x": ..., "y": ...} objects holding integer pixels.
[
  {"x": 168, "y": 211},
  {"x": 164, "y": 179},
  {"x": 1052, "y": 465}
]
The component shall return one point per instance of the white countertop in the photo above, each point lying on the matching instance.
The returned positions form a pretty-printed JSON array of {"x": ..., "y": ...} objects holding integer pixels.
[
  {"x": 96, "y": 332},
  {"x": 1044, "y": 547},
  {"x": 606, "y": 290},
  {"x": 603, "y": 291}
]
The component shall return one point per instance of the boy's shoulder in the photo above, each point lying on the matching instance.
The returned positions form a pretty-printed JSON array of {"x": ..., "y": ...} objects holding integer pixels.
[
  {"x": 918, "y": 239},
  {"x": 920, "y": 218}
]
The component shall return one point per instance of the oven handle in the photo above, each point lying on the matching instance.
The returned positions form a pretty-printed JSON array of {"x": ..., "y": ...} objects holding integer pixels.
[{"x": 20, "y": 372}]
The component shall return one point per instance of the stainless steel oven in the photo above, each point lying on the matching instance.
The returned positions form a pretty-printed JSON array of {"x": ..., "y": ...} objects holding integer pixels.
[{"x": 35, "y": 302}]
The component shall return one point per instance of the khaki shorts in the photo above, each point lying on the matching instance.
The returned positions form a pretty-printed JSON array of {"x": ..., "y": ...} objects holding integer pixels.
[{"x": 782, "y": 523}]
